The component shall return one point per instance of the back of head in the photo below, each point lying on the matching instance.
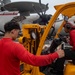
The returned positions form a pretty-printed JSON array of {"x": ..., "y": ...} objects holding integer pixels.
[
  {"x": 68, "y": 25},
  {"x": 10, "y": 26}
]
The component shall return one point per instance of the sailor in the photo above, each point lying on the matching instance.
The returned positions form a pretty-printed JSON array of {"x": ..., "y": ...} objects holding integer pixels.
[{"x": 11, "y": 52}]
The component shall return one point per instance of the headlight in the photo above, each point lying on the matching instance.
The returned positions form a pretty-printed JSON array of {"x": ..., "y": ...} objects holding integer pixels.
[{"x": 33, "y": 35}]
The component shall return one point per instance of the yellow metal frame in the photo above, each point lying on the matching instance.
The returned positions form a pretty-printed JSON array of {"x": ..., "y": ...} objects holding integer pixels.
[
  {"x": 69, "y": 69},
  {"x": 65, "y": 9},
  {"x": 51, "y": 22},
  {"x": 60, "y": 9},
  {"x": 26, "y": 28}
]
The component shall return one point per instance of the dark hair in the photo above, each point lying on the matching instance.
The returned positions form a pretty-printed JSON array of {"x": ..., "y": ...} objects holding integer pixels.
[{"x": 11, "y": 25}]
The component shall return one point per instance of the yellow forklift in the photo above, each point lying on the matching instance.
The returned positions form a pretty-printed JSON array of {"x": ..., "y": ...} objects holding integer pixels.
[{"x": 34, "y": 36}]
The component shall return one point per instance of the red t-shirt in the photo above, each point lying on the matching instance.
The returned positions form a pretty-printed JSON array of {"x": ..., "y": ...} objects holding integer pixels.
[
  {"x": 11, "y": 53},
  {"x": 72, "y": 38}
]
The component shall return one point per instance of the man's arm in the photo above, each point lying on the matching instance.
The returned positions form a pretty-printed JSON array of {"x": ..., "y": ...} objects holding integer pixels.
[{"x": 39, "y": 60}]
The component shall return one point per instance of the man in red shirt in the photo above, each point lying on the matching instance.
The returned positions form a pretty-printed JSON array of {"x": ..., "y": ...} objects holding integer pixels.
[
  {"x": 69, "y": 54},
  {"x": 70, "y": 28},
  {"x": 11, "y": 52}
]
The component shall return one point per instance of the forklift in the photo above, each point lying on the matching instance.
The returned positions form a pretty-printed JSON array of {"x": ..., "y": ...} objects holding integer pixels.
[{"x": 34, "y": 36}]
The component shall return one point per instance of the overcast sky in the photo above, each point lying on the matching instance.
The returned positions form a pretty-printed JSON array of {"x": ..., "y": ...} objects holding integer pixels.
[{"x": 51, "y": 5}]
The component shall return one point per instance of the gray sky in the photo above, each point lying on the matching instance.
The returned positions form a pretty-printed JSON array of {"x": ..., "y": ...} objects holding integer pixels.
[{"x": 52, "y": 3}]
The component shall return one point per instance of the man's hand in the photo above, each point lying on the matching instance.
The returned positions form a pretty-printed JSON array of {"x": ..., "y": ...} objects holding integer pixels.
[{"x": 60, "y": 53}]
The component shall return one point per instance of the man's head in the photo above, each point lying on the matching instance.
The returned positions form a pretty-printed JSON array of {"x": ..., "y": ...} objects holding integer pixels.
[
  {"x": 12, "y": 28},
  {"x": 68, "y": 26}
]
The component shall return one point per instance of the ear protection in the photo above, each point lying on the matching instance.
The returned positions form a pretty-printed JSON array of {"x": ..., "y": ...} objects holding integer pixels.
[
  {"x": 11, "y": 32},
  {"x": 68, "y": 26}
]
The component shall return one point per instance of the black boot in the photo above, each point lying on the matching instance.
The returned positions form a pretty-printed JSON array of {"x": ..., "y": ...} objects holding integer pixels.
[
  {"x": 54, "y": 72},
  {"x": 58, "y": 66}
]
